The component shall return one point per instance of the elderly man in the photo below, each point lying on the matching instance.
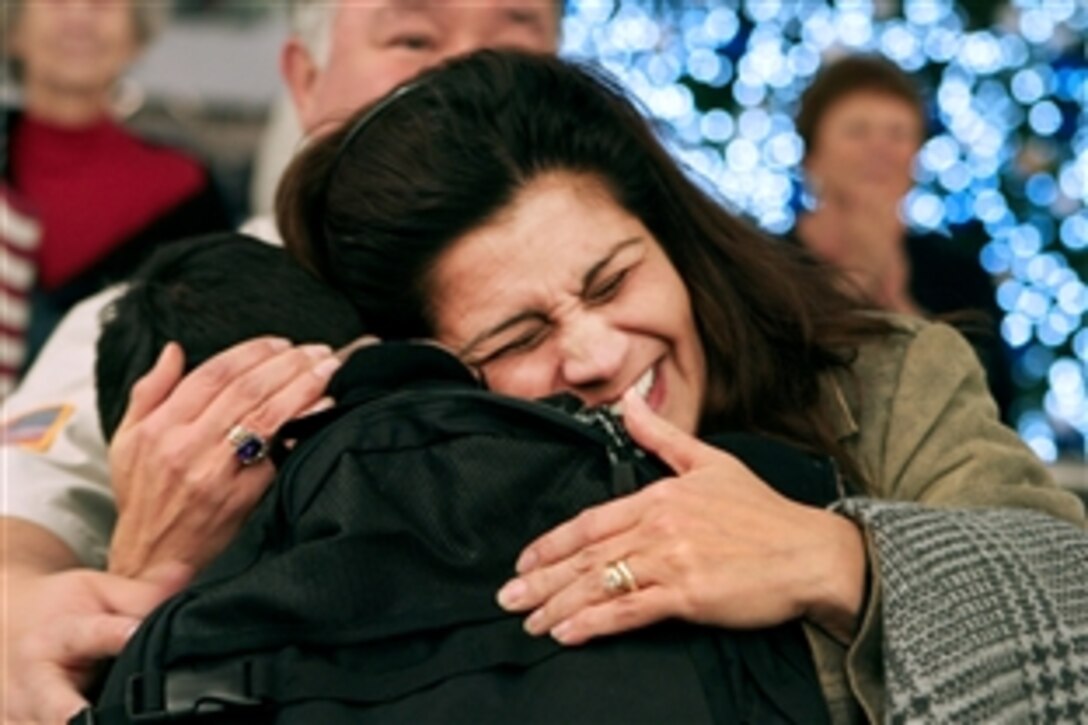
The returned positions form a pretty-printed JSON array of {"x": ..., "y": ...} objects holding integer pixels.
[{"x": 171, "y": 493}]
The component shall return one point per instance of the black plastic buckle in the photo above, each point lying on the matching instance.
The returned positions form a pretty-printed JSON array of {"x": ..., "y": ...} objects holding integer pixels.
[{"x": 156, "y": 697}]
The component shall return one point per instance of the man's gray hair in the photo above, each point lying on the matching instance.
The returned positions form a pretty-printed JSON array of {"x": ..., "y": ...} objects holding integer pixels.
[{"x": 311, "y": 22}]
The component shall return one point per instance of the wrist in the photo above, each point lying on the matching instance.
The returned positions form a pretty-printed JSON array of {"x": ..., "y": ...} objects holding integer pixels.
[{"x": 836, "y": 589}]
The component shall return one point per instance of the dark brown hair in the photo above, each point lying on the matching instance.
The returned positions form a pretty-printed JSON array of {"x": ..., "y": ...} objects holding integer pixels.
[
  {"x": 850, "y": 75},
  {"x": 372, "y": 206}
]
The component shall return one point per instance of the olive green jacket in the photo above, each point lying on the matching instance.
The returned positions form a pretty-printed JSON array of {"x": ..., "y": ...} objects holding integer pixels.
[{"x": 915, "y": 413}]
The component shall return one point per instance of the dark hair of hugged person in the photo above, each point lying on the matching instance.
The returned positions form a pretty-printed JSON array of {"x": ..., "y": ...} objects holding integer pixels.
[
  {"x": 207, "y": 294},
  {"x": 371, "y": 208}
]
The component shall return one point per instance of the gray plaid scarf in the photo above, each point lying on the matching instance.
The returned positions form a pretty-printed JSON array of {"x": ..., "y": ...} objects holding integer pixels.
[{"x": 985, "y": 613}]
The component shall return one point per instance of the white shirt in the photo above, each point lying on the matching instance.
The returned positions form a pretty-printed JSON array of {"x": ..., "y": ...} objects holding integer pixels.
[{"x": 53, "y": 467}]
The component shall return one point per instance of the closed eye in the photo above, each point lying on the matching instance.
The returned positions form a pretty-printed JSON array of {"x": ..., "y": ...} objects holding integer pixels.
[
  {"x": 608, "y": 289},
  {"x": 521, "y": 344},
  {"x": 413, "y": 42},
  {"x": 522, "y": 16}
]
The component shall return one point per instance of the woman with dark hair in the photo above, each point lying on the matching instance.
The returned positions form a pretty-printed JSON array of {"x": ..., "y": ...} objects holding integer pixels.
[{"x": 521, "y": 211}]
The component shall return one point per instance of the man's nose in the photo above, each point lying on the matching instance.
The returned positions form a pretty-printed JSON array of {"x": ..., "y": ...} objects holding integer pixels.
[
  {"x": 465, "y": 43},
  {"x": 592, "y": 350}
]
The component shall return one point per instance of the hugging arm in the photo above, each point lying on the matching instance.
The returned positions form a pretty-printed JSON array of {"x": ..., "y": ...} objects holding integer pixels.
[
  {"x": 934, "y": 438},
  {"x": 63, "y": 613},
  {"x": 714, "y": 544}
]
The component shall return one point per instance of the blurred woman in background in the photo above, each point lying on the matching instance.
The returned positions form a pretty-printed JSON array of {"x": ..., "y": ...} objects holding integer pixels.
[
  {"x": 89, "y": 196},
  {"x": 863, "y": 121}
]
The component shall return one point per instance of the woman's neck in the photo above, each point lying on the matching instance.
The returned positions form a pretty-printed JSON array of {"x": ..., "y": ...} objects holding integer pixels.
[
  {"x": 65, "y": 108},
  {"x": 821, "y": 231}
]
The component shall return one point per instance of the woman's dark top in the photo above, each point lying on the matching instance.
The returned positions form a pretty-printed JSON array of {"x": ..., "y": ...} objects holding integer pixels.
[{"x": 947, "y": 281}]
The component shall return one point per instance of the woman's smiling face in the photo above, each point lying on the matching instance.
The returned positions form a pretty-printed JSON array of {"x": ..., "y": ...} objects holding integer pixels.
[{"x": 565, "y": 291}]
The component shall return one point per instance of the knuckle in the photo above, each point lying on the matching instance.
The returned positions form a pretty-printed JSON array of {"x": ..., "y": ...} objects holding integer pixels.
[
  {"x": 264, "y": 420},
  {"x": 137, "y": 438},
  {"x": 303, "y": 360},
  {"x": 628, "y": 612},
  {"x": 591, "y": 523},
  {"x": 215, "y": 373},
  {"x": 663, "y": 525},
  {"x": 251, "y": 387},
  {"x": 206, "y": 487},
  {"x": 694, "y": 601},
  {"x": 586, "y": 561},
  {"x": 678, "y": 556},
  {"x": 175, "y": 462}
]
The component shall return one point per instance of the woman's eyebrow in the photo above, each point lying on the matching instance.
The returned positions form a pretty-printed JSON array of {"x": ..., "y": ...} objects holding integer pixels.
[
  {"x": 533, "y": 316},
  {"x": 591, "y": 275}
]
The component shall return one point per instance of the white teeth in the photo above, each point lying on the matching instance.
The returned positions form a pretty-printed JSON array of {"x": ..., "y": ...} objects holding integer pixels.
[{"x": 642, "y": 387}]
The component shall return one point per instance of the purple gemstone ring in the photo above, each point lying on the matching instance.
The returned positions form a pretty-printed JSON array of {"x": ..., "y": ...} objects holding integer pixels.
[{"x": 249, "y": 447}]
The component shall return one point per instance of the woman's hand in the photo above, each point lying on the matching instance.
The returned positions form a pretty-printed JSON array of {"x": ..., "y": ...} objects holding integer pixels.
[
  {"x": 714, "y": 545},
  {"x": 181, "y": 491},
  {"x": 58, "y": 627}
]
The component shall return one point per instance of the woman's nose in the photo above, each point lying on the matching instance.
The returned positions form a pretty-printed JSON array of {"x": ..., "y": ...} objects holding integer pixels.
[{"x": 592, "y": 350}]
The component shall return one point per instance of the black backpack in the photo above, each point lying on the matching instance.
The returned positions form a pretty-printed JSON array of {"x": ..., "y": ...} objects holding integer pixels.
[{"x": 362, "y": 588}]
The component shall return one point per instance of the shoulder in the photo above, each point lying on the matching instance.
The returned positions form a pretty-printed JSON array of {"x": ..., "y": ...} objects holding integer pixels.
[
  {"x": 901, "y": 386},
  {"x": 56, "y": 473},
  {"x": 916, "y": 370},
  {"x": 63, "y": 374},
  {"x": 161, "y": 163},
  {"x": 912, "y": 348}
]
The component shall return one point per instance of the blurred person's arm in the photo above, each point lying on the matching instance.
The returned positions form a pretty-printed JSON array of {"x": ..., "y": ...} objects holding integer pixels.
[{"x": 61, "y": 619}]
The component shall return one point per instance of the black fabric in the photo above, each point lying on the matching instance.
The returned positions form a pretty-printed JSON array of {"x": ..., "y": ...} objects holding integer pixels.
[
  {"x": 946, "y": 279},
  {"x": 363, "y": 587}
]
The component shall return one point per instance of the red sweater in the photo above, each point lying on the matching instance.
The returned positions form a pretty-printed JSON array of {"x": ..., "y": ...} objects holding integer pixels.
[{"x": 92, "y": 189}]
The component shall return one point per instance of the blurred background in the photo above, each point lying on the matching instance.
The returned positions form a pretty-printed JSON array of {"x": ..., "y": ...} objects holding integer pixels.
[{"x": 1004, "y": 172}]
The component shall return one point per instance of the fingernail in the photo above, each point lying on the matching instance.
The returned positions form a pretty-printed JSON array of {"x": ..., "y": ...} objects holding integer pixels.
[
  {"x": 533, "y": 623},
  {"x": 131, "y": 631},
  {"x": 562, "y": 631},
  {"x": 317, "y": 352},
  {"x": 323, "y": 404},
  {"x": 326, "y": 367},
  {"x": 512, "y": 594},
  {"x": 279, "y": 343},
  {"x": 526, "y": 562}
]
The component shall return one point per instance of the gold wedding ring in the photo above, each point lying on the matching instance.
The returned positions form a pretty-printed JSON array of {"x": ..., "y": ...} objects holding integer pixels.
[{"x": 619, "y": 579}]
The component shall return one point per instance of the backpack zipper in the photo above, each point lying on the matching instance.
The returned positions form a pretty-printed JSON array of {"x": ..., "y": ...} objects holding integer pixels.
[{"x": 622, "y": 452}]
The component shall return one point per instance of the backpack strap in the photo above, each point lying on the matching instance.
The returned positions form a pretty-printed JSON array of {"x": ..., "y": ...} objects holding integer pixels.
[{"x": 276, "y": 680}]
